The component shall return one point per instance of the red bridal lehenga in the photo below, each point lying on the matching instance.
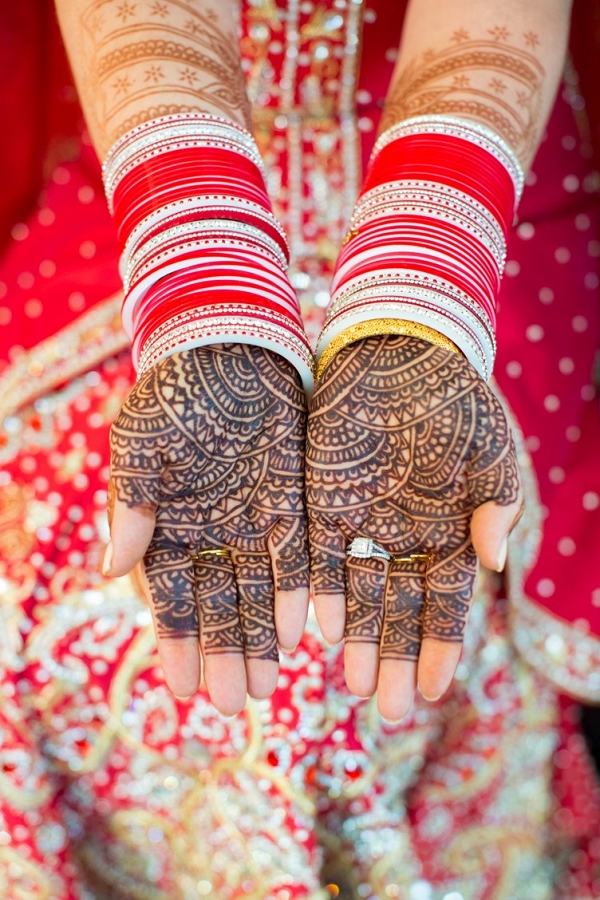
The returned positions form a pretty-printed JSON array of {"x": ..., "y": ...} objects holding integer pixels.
[{"x": 110, "y": 788}]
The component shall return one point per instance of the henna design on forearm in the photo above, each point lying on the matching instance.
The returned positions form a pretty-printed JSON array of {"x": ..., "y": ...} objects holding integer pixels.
[
  {"x": 135, "y": 61},
  {"x": 213, "y": 440},
  {"x": 495, "y": 79},
  {"x": 404, "y": 441}
]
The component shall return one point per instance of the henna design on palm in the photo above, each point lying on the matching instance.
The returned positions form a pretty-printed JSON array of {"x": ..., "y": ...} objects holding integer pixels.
[
  {"x": 212, "y": 441},
  {"x": 405, "y": 440}
]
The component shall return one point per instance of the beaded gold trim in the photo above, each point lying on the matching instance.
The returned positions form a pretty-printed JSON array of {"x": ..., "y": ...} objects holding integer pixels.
[{"x": 375, "y": 327}]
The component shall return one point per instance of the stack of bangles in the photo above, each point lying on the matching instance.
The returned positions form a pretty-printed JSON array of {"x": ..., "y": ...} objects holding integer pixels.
[
  {"x": 203, "y": 258},
  {"x": 426, "y": 245}
]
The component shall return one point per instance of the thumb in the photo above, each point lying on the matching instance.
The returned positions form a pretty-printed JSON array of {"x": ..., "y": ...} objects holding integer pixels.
[
  {"x": 131, "y": 531},
  {"x": 491, "y": 525}
]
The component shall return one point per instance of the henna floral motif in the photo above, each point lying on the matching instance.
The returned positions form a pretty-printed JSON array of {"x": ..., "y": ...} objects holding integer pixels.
[
  {"x": 494, "y": 80},
  {"x": 138, "y": 61},
  {"x": 212, "y": 440},
  {"x": 404, "y": 441}
]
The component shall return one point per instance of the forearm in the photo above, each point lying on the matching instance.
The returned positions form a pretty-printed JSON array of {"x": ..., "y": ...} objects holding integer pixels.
[
  {"x": 497, "y": 63},
  {"x": 133, "y": 62}
]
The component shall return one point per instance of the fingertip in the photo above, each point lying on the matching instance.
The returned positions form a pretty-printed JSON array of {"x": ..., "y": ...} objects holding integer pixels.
[
  {"x": 131, "y": 532},
  {"x": 291, "y": 611},
  {"x": 396, "y": 688},
  {"x": 225, "y": 677},
  {"x": 361, "y": 667},
  {"x": 262, "y": 678},
  {"x": 437, "y": 664},
  {"x": 107, "y": 561},
  {"x": 180, "y": 661},
  {"x": 490, "y": 527},
  {"x": 330, "y": 610}
]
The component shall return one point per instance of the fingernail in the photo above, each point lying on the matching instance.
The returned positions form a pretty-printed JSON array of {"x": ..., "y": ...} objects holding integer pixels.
[
  {"x": 431, "y": 699},
  {"x": 183, "y": 699},
  {"x": 502, "y": 556},
  {"x": 287, "y": 649},
  {"x": 108, "y": 558},
  {"x": 391, "y": 721}
]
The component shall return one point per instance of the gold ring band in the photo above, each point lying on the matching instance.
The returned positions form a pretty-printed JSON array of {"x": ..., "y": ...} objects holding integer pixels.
[
  {"x": 412, "y": 557},
  {"x": 223, "y": 551}
]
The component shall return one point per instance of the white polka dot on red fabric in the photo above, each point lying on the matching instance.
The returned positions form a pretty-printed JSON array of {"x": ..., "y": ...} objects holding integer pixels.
[
  {"x": 591, "y": 501},
  {"x": 76, "y": 301},
  {"x": 3, "y": 289},
  {"x": 530, "y": 178},
  {"x": 579, "y": 323},
  {"x": 545, "y": 587},
  {"x": 546, "y": 295},
  {"x": 86, "y": 194},
  {"x": 566, "y": 546},
  {"x": 573, "y": 433},
  {"x": 19, "y": 232},
  {"x": 526, "y": 231},
  {"x": 47, "y": 268},
  {"x": 5, "y": 315},
  {"x": 596, "y": 597},
  {"x": 566, "y": 365},
  {"x": 46, "y": 216},
  {"x": 562, "y": 254},
  {"x": 532, "y": 443},
  {"x": 591, "y": 281},
  {"x": 551, "y": 403},
  {"x": 514, "y": 369},
  {"x": 582, "y": 222},
  {"x": 391, "y": 54},
  {"x": 534, "y": 333},
  {"x": 370, "y": 16},
  {"x": 28, "y": 465},
  {"x": 87, "y": 249},
  {"x": 588, "y": 392},
  {"x": 568, "y": 142},
  {"x": 590, "y": 183},
  {"x": 570, "y": 183},
  {"x": 61, "y": 175},
  {"x": 33, "y": 309},
  {"x": 593, "y": 248},
  {"x": 25, "y": 280},
  {"x": 365, "y": 124},
  {"x": 556, "y": 475},
  {"x": 512, "y": 268}
]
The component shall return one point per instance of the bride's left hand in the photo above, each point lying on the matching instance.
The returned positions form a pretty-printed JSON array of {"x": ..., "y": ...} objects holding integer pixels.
[{"x": 407, "y": 446}]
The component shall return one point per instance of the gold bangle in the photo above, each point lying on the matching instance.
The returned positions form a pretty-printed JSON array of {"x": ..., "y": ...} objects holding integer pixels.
[{"x": 375, "y": 327}]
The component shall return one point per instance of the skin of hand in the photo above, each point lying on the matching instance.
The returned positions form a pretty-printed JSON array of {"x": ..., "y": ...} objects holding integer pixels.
[
  {"x": 407, "y": 446},
  {"x": 208, "y": 453}
]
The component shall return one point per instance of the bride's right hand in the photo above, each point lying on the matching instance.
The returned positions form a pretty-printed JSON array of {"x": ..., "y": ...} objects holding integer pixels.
[{"x": 208, "y": 453}]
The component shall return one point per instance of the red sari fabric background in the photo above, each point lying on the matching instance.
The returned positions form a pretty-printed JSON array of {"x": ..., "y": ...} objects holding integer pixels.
[{"x": 440, "y": 784}]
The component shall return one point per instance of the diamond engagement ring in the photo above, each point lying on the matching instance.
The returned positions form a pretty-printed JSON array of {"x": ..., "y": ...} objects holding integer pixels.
[{"x": 366, "y": 548}]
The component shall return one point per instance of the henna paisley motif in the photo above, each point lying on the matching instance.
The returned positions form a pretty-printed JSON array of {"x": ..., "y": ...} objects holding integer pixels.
[{"x": 405, "y": 440}]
